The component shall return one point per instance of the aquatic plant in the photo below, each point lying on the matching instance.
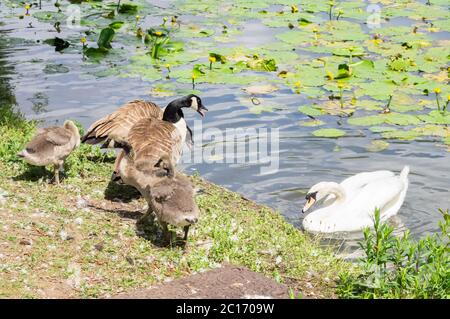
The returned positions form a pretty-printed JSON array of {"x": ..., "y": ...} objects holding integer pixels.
[
  {"x": 400, "y": 267},
  {"x": 158, "y": 40},
  {"x": 340, "y": 13},
  {"x": 330, "y": 10},
  {"x": 168, "y": 70},
  {"x": 211, "y": 61},
  {"x": 340, "y": 86},
  {"x": 373, "y": 65},
  {"x": 437, "y": 91},
  {"x": 294, "y": 8},
  {"x": 27, "y": 7}
]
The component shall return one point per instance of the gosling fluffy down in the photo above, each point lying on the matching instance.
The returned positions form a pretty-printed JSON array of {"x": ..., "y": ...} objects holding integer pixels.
[{"x": 51, "y": 146}]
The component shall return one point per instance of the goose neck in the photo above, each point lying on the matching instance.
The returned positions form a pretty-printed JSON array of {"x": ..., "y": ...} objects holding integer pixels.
[{"x": 173, "y": 112}]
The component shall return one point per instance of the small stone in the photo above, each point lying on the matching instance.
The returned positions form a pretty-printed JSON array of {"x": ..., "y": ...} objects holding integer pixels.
[
  {"x": 25, "y": 242},
  {"x": 64, "y": 235},
  {"x": 78, "y": 221},
  {"x": 81, "y": 202},
  {"x": 278, "y": 260}
]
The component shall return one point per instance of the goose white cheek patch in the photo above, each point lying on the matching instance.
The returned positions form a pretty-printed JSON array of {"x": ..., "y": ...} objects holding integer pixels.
[{"x": 194, "y": 103}]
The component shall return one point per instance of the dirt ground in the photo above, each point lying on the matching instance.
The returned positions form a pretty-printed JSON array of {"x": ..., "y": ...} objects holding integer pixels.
[{"x": 228, "y": 281}]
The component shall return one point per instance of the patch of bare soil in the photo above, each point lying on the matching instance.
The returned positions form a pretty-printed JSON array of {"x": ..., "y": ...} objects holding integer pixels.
[{"x": 227, "y": 282}]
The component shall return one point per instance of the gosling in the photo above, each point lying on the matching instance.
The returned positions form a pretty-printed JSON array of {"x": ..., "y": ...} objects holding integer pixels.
[
  {"x": 169, "y": 194},
  {"x": 51, "y": 146}
]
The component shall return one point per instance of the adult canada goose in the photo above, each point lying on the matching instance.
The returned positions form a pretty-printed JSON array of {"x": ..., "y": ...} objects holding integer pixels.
[
  {"x": 169, "y": 195},
  {"x": 350, "y": 205},
  {"x": 113, "y": 129},
  {"x": 51, "y": 146}
]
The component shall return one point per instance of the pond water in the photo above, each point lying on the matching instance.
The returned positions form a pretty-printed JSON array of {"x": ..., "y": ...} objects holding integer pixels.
[{"x": 54, "y": 86}]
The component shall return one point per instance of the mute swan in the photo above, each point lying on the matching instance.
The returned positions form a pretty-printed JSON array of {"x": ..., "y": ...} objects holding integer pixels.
[{"x": 349, "y": 206}]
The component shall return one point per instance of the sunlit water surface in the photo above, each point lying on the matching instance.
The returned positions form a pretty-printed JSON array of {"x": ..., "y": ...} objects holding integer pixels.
[{"x": 303, "y": 160}]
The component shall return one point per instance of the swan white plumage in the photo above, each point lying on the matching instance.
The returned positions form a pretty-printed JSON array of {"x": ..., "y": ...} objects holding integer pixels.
[{"x": 350, "y": 205}]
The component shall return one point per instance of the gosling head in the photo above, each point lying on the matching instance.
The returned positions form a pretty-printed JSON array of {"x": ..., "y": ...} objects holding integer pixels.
[
  {"x": 69, "y": 125},
  {"x": 172, "y": 200}
]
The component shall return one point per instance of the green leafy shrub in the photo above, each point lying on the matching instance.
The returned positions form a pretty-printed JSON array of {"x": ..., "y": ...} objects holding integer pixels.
[
  {"x": 400, "y": 267},
  {"x": 15, "y": 131}
]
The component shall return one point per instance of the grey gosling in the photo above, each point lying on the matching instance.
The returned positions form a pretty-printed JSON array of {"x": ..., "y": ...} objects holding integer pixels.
[
  {"x": 51, "y": 146},
  {"x": 146, "y": 162}
]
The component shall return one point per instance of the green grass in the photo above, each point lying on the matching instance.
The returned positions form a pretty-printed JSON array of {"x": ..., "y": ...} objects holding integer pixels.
[
  {"x": 74, "y": 241},
  {"x": 400, "y": 267}
]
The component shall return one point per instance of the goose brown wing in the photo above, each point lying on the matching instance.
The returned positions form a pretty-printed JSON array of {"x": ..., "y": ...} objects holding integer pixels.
[
  {"x": 117, "y": 125},
  {"x": 151, "y": 139}
]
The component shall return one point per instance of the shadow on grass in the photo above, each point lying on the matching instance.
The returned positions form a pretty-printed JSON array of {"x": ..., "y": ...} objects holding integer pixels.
[
  {"x": 101, "y": 159},
  {"x": 34, "y": 174},
  {"x": 124, "y": 193},
  {"x": 148, "y": 228}
]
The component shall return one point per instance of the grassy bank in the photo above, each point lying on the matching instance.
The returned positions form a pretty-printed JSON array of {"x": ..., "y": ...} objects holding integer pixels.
[{"x": 81, "y": 239}]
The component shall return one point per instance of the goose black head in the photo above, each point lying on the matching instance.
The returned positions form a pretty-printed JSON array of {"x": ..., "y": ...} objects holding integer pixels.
[
  {"x": 196, "y": 104},
  {"x": 189, "y": 101}
]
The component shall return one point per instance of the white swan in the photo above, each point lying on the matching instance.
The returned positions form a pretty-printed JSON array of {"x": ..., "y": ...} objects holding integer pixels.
[{"x": 349, "y": 206}]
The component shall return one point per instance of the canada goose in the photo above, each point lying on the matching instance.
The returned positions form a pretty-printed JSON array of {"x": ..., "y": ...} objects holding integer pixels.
[
  {"x": 51, "y": 146},
  {"x": 113, "y": 129},
  {"x": 349, "y": 206},
  {"x": 150, "y": 144},
  {"x": 169, "y": 195}
]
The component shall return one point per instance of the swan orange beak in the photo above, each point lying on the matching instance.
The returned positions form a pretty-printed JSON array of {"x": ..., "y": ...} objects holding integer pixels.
[{"x": 308, "y": 204}]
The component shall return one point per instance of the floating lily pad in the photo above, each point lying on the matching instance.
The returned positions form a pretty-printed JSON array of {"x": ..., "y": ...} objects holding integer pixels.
[
  {"x": 436, "y": 117},
  {"x": 56, "y": 68},
  {"x": 328, "y": 132},
  {"x": 382, "y": 129},
  {"x": 350, "y": 51},
  {"x": 311, "y": 123},
  {"x": 259, "y": 105},
  {"x": 377, "y": 146},
  {"x": 58, "y": 43},
  {"x": 311, "y": 111},
  {"x": 260, "y": 89},
  {"x": 390, "y": 118},
  {"x": 401, "y": 135}
]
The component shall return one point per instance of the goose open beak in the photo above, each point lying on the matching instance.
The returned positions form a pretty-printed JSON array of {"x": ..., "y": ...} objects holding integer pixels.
[{"x": 201, "y": 110}]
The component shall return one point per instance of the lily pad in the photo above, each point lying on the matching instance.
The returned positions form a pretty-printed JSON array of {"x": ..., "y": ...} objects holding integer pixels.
[
  {"x": 436, "y": 117},
  {"x": 260, "y": 89},
  {"x": 311, "y": 123},
  {"x": 311, "y": 111},
  {"x": 56, "y": 68},
  {"x": 377, "y": 146},
  {"x": 328, "y": 132}
]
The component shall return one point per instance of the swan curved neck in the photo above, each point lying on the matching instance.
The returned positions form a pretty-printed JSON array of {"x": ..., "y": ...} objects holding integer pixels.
[{"x": 337, "y": 190}]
